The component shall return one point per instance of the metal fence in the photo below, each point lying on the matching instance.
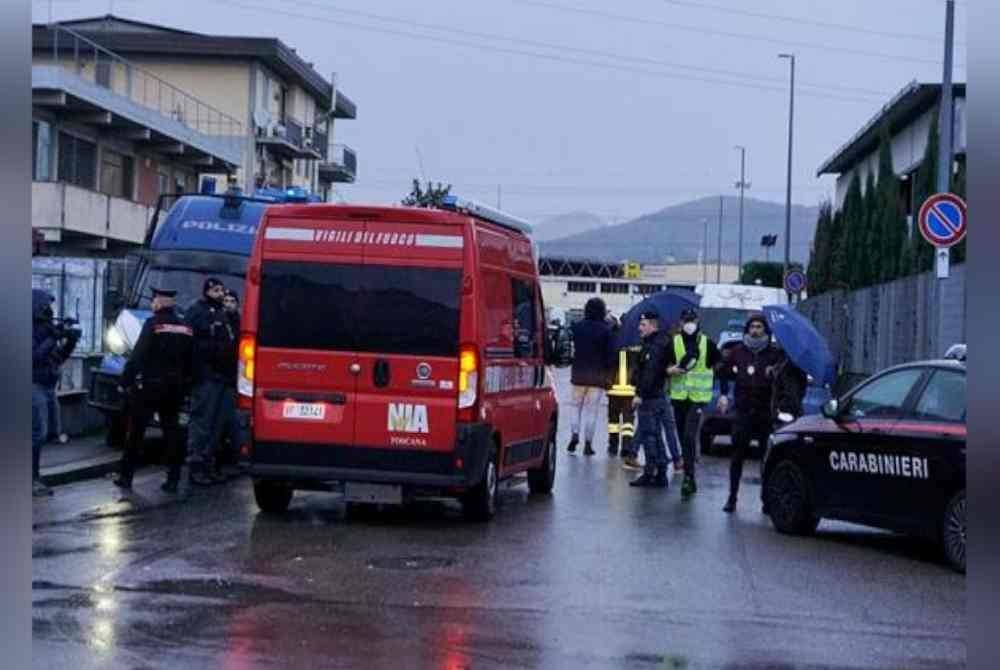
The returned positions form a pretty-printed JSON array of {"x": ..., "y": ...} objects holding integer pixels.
[{"x": 880, "y": 326}]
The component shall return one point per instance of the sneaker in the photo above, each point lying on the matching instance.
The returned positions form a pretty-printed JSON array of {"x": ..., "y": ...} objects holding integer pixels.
[
  {"x": 688, "y": 488},
  {"x": 730, "y": 505},
  {"x": 575, "y": 440},
  {"x": 40, "y": 490},
  {"x": 122, "y": 482},
  {"x": 588, "y": 450},
  {"x": 631, "y": 463},
  {"x": 660, "y": 480}
]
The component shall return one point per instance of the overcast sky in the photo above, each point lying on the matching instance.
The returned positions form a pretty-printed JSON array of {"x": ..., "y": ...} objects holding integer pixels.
[{"x": 617, "y": 109}]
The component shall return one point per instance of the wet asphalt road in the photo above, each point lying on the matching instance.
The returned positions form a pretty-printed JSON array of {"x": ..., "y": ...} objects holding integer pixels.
[{"x": 597, "y": 575}]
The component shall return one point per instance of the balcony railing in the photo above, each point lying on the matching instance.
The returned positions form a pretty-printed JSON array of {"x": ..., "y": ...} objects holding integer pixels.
[
  {"x": 94, "y": 63},
  {"x": 341, "y": 165},
  {"x": 64, "y": 206}
]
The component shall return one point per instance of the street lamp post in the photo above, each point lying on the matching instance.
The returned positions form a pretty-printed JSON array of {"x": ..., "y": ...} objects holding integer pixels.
[
  {"x": 788, "y": 187},
  {"x": 741, "y": 184}
]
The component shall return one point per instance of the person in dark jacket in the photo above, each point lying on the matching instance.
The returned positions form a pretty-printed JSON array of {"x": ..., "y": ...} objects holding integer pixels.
[
  {"x": 214, "y": 372},
  {"x": 51, "y": 346},
  {"x": 231, "y": 303},
  {"x": 790, "y": 384},
  {"x": 650, "y": 382},
  {"x": 156, "y": 380},
  {"x": 589, "y": 374},
  {"x": 751, "y": 365}
]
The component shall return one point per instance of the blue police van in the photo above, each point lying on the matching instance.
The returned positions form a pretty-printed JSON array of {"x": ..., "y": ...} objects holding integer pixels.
[{"x": 200, "y": 235}]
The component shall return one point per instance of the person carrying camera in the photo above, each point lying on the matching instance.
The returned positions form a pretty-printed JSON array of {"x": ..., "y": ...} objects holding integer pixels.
[{"x": 52, "y": 343}]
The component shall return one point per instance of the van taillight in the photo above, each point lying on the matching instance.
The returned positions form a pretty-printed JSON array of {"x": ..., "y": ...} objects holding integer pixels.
[
  {"x": 468, "y": 376},
  {"x": 244, "y": 379}
]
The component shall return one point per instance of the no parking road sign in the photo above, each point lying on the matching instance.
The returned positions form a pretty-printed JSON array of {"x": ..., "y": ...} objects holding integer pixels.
[{"x": 942, "y": 220}]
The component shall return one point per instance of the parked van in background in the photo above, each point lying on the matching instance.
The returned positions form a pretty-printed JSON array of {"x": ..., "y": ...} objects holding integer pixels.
[{"x": 394, "y": 353}]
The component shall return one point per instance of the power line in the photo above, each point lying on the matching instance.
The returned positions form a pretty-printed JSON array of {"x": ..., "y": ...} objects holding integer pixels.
[
  {"x": 543, "y": 56},
  {"x": 589, "y": 52},
  {"x": 802, "y": 21},
  {"x": 721, "y": 33}
]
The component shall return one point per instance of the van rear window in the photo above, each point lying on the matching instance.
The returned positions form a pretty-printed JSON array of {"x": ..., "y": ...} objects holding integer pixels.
[{"x": 363, "y": 308}]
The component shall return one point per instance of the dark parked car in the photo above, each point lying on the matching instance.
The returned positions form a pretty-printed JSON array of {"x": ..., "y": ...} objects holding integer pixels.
[{"x": 889, "y": 454}]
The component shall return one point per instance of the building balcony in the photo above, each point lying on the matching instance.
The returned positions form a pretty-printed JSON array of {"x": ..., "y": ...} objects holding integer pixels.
[
  {"x": 77, "y": 80},
  {"x": 76, "y": 216},
  {"x": 341, "y": 165},
  {"x": 289, "y": 139}
]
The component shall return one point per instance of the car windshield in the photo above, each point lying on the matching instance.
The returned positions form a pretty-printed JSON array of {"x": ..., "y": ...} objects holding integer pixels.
[{"x": 186, "y": 274}]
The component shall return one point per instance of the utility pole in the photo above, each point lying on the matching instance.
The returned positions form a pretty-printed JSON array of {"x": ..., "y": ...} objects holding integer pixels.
[
  {"x": 704, "y": 251},
  {"x": 788, "y": 187},
  {"x": 718, "y": 267},
  {"x": 741, "y": 184},
  {"x": 498, "y": 196},
  {"x": 945, "y": 130}
]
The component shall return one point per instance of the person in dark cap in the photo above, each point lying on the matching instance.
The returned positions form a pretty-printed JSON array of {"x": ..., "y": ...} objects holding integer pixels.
[
  {"x": 213, "y": 371},
  {"x": 751, "y": 366},
  {"x": 156, "y": 380},
  {"x": 691, "y": 363},
  {"x": 650, "y": 382}
]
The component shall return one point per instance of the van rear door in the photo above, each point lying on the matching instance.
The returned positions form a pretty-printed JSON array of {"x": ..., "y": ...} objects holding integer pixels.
[
  {"x": 407, "y": 327},
  {"x": 306, "y": 389}
]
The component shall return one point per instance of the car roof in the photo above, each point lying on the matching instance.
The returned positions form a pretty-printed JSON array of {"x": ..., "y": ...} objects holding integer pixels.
[{"x": 942, "y": 363}]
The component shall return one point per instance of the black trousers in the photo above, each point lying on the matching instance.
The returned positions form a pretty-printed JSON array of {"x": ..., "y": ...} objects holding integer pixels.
[
  {"x": 688, "y": 416},
  {"x": 141, "y": 407},
  {"x": 746, "y": 427}
]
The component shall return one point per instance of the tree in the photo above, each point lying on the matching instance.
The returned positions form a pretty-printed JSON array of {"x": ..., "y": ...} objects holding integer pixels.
[
  {"x": 819, "y": 258},
  {"x": 431, "y": 197},
  {"x": 837, "y": 277},
  {"x": 890, "y": 222},
  {"x": 769, "y": 273},
  {"x": 924, "y": 186},
  {"x": 869, "y": 263},
  {"x": 854, "y": 237}
]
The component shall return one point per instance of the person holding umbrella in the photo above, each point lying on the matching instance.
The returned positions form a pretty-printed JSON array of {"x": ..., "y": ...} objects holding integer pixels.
[{"x": 751, "y": 366}]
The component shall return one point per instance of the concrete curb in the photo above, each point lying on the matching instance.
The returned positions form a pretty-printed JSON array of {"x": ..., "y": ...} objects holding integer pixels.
[{"x": 90, "y": 468}]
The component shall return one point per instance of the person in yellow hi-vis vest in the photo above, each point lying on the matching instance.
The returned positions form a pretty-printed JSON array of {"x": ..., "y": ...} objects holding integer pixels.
[{"x": 691, "y": 363}]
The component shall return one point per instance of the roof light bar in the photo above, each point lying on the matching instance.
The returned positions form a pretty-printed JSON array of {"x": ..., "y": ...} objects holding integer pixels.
[{"x": 485, "y": 212}]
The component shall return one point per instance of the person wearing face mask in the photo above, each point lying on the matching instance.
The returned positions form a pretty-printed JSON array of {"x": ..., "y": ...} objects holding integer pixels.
[
  {"x": 691, "y": 361},
  {"x": 751, "y": 366}
]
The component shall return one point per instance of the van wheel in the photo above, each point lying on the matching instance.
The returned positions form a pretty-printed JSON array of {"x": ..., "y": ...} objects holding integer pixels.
[
  {"x": 953, "y": 531},
  {"x": 542, "y": 479},
  {"x": 272, "y": 498},
  {"x": 480, "y": 503},
  {"x": 788, "y": 500}
]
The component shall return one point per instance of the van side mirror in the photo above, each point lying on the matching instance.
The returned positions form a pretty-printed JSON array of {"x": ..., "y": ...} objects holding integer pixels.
[{"x": 831, "y": 409}]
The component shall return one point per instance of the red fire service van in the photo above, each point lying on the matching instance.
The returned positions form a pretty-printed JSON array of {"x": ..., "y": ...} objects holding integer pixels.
[{"x": 392, "y": 353}]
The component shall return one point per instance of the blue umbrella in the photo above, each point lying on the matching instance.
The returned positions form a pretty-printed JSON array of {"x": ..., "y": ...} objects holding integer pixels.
[
  {"x": 802, "y": 342},
  {"x": 668, "y": 304}
]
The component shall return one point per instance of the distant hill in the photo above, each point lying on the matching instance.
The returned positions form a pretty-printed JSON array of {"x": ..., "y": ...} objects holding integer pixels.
[
  {"x": 565, "y": 225},
  {"x": 678, "y": 232}
]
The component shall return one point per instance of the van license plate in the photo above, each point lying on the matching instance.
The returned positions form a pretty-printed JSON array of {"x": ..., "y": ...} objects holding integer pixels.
[
  {"x": 385, "y": 494},
  {"x": 301, "y": 410}
]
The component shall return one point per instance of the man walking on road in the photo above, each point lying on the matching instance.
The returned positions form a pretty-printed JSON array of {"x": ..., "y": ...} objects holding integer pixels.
[
  {"x": 691, "y": 362},
  {"x": 591, "y": 359},
  {"x": 650, "y": 380},
  {"x": 156, "y": 379},
  {"x": 214, "y": 368},
  {"x": 752, "y": 365}
]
